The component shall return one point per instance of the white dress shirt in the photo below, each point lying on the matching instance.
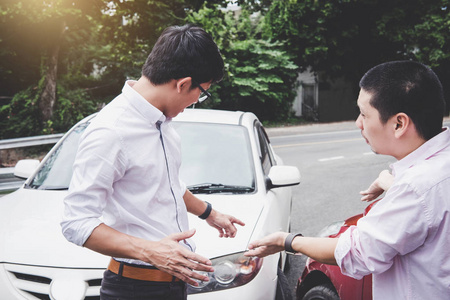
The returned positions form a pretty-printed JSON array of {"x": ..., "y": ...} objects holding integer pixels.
[
  {"x": 405, "y": 238},
  {"x": 127, "y": 175}
]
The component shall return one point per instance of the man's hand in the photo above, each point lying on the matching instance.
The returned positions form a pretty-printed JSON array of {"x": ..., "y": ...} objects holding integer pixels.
[
  {"x": 372, "y": 192},
  {"x": 268, "y": 245},
  {"x": 382, "y": 183},
  {"x": 224, "y": 223},
  {"x": 169, "y": 256}
]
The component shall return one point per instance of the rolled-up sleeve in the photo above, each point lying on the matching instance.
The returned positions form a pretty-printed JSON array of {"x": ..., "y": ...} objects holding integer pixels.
[
  {"x": 394, "y": 226},
  {"x": 348, "y": 254},
  {"x": 97, "y": 166}
]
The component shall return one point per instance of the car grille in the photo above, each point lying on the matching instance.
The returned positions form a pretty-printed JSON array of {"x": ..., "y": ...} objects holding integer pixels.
[{"x": 34, "y": 282}]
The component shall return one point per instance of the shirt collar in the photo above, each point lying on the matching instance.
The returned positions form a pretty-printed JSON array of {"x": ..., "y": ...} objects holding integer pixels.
[
  {"x": 428, "y": 149},
  {"x": 142, "y": 106}
]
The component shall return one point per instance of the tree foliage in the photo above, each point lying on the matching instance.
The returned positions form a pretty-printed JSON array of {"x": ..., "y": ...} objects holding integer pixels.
[
  {"x": 347, "y": 37},
  {"x": 31, "y": 29},
  {"x": 68, "y": 56},
  {"x": 36, "y": 40},
  {"x": 81, "y": 47},
  {"x": 260, "y": 74},
  {"x": 131, "y": 28}
]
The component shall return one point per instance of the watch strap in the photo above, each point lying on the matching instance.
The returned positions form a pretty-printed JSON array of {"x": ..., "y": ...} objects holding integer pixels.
[
  {"x": 288, "y": 242},
  {"x": 207, "y": 212}
]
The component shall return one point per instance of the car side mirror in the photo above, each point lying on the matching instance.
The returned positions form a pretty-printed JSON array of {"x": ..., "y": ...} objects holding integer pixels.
[
  {"x": 25, "y": 168},
  {"x": 281, "y": 176}
]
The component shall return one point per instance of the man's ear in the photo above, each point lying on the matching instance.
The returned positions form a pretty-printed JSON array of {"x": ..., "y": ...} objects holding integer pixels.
[
  {"x": 402, "y": 124},
  {"x": 184, "y": 83}
]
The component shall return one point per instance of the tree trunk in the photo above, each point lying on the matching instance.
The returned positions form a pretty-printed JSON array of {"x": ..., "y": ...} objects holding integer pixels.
[{"x": 48, "y": 96}]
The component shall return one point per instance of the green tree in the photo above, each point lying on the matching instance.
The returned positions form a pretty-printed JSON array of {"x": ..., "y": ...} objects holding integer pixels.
[
  {"x": 37, "y": 31},
  {"x": 37, "y": 38},
  {"x": 132, "y": 28},
  {"x": 344, "y": 38},
  {"x": 260, "y": 74},
  {"x": 59, "y": 55}
]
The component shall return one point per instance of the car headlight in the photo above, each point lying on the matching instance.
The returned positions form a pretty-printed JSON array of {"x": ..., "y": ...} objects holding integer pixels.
[
  {"x": 331, "y": 229},
  {"x": 229, "y": 271}
]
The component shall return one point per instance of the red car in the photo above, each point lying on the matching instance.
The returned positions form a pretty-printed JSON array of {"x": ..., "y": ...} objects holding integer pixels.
[{"x": 326, "y": 282}]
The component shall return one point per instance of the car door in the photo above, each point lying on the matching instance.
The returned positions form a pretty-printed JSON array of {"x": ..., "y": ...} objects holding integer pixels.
[{"x": 279, "y": 199}]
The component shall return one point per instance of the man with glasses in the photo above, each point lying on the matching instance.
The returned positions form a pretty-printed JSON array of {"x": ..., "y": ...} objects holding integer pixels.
[{"x": 126, "y": 199}]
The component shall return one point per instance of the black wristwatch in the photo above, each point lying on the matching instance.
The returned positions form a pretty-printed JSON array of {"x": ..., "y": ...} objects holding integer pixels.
[
  {"x": 207, "y": 212},
  {"x": 288, "y": 242}
]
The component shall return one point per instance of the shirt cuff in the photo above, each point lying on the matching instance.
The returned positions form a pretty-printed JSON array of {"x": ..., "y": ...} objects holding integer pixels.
[
  {"x": 343, "y": 253},
  {"x": 79, "y": 233},
  {"x": 343, "y": 247},
  {"x": 183, "y": 186}
]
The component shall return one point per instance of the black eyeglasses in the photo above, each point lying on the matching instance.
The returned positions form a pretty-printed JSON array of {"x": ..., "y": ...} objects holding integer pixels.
[{"x": 204, "y": 95}]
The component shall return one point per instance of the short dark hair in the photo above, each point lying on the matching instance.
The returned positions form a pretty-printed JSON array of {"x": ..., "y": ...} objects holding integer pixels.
[
  {"x": 409, "y": 87},
  {"x": 184, "y": 51}
]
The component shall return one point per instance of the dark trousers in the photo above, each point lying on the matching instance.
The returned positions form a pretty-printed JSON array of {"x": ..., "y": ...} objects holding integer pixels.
[{"x": 115, "y": 287}]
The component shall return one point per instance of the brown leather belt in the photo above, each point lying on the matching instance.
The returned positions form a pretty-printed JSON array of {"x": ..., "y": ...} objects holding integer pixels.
[{"x": 140, "y": 273}]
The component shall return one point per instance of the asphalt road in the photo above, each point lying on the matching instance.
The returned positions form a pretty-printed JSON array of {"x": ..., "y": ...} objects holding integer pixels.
[{"x": 335, "y": 164}]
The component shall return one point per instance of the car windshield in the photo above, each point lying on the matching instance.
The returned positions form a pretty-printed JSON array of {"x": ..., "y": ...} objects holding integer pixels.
[
  {"x": 56, "y": 173},
  {"x": 216, "y": 159}
]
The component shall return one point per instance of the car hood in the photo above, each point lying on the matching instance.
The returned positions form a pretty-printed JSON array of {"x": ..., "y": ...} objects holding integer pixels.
[
  {"x": 246, "y": 208},
  {"x": 31, "y": 233}
]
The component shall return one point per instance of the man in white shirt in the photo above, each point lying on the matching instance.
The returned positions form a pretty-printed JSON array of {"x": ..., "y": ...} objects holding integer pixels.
[
  {"x": 404, "y": 239},
  {"x": 127, "y": 172}
]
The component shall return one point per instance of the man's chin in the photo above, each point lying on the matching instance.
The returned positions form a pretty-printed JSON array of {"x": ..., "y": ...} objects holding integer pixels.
[
  {"x": 175, "y": 114},
  {"x": 367, "y": 141},
  {"x": 371, "y": 148},
  {"x": 374, "y": 151}
]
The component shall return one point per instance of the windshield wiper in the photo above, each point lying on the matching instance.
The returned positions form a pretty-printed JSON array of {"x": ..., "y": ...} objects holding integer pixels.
[
  {"x": 210, "y": 188},
  {"x": 56, "y": 188},
  {"x": 48, "y": 188}
]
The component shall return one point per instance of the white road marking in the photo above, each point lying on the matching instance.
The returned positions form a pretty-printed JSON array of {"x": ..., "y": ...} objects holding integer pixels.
[
  {"x": 331, "y": 158},
  {"x": 316, "y": 143},
  {"x": 274, "y": 137}
]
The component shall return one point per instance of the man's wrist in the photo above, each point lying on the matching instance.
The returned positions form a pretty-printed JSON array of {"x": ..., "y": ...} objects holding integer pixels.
[
  {"x": 288, "y": 242},
  {"x": 207, "y": 211}
]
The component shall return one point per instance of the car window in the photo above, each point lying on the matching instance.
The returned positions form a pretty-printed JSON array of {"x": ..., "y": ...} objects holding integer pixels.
[
  {"x": 217, "y": 154},
  {"x": 212, "y": 154},
  {"x": 57, "y": 170},
  {"x": 266, "y": 155}
]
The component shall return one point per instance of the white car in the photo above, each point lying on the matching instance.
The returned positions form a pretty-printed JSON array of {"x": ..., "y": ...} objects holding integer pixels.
[{"x": 227, "y": 161}]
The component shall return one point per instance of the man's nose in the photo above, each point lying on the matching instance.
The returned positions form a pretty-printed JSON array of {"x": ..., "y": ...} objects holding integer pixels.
[{"x": 358, "y": 122}]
